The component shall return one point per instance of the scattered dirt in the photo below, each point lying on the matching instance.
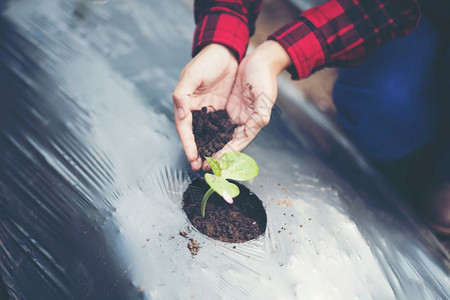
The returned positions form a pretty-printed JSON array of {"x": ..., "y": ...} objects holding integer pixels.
[
  {"x": 285, "y": 202},
  {"x": 193, "y": 246},
  {"x": 212, "y": 130},
  {"x": 239, "y": 222}
]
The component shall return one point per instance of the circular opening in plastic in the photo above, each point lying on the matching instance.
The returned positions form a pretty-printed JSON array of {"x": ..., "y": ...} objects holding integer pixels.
[{"x": 242, "y": 221}]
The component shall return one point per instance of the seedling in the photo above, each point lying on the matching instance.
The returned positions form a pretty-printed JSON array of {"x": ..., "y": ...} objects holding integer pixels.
[{"x": 233, "y": 165}]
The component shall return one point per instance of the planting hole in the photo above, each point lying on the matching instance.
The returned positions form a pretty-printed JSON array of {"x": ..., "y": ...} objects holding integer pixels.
[{"x": 239, "y": 222}]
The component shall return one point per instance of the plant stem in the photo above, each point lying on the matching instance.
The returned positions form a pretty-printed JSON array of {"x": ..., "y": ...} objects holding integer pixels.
[{"x": 205, "y": 199}]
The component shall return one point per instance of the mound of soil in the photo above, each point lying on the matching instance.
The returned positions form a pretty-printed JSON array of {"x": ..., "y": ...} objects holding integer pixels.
[
  {"x": 239, "y": 222},
  {"x": 212, "y": 130}
]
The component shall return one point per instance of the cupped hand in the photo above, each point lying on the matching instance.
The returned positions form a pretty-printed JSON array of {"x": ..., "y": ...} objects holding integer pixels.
[
  {"x": 254, "y": 93},
  {"x": 206, "y": 80}
]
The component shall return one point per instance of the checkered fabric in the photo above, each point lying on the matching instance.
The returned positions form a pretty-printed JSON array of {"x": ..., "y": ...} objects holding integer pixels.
[{"x": 336, "y": 33}]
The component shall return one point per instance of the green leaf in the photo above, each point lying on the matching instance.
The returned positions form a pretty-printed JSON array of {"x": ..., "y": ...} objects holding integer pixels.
[
  {"x": 238, "y": 166},
  {"x": 215, "y": 166},
  {"x": 220, "y": 184}
]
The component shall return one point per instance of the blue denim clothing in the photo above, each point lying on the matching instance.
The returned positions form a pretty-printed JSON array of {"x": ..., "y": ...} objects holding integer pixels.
[{"x": 395, "y": 101}]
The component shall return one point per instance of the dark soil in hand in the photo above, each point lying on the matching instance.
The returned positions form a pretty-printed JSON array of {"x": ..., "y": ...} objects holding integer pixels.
[
  {"x": 212, "y": 130},
  {"x": 239, "y": 222}
]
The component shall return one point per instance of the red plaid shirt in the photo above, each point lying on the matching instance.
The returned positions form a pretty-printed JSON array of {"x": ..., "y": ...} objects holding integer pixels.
[{"x": 336, "y": 33}]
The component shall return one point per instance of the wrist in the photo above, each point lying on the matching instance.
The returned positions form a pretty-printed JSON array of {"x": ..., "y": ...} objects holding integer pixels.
[
  {"x": 221, "y": 50},
  {"x": 275, "y": 55}
]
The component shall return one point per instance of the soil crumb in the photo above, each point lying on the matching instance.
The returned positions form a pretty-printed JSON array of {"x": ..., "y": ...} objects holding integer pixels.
[
  {"x": 193, "y": 246},
  {"x": 239, "y": 222},
  {"x": 212, "y": 131}
]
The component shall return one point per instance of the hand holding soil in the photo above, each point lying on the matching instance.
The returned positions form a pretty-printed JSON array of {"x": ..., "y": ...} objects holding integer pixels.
[
  {"x": 206, "y": 81},
  {"x": 254, "y": 93},
  {"x": 248, "y": 93}
]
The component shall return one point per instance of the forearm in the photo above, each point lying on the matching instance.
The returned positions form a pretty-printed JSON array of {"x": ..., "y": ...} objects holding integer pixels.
[{"x": 343, "y": 32}]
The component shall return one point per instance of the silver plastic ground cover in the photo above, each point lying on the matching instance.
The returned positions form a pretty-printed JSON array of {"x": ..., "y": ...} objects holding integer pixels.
[
  {"x": 92, "y": 174},
  {"x": 306, "y": 4}
]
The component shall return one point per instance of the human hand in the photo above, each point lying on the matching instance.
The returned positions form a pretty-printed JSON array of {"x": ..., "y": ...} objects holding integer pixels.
[
  {"x": 254, "y": 93},
  {"x": 206, "y": 80}
]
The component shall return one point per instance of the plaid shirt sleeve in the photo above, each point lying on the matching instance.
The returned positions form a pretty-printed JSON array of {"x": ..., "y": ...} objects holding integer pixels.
[
  {"x": 226, "y": 22},
  {"x": 343, "y": 32}
]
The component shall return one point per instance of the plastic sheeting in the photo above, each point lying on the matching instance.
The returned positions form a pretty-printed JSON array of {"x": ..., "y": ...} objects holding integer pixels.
[
  {"x": 306, "y": 4},
  {"x": 92, "y": 174}
]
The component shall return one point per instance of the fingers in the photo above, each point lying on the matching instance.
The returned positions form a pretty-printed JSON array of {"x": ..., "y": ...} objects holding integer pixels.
[
  {"x": 184, "y": 129},
  {"x": 196, "y": 165},
  {"x": 242, "y": 137},
  {"x": 239, "y": 141},
  {"x": 183, "y": 118},
  {"x": 253, "y": 115}
]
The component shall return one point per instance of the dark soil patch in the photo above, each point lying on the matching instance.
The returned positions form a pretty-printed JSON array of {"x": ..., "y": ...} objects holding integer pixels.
[
  {"x": 239, "y": 222},
  {"x": 212, "y": 130}
]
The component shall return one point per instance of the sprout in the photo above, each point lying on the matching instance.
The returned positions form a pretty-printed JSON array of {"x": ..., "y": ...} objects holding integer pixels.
[{"x": 233, "y": 165}]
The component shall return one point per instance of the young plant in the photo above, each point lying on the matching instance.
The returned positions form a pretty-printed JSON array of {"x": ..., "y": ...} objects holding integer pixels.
[{"x": 233, "y": 165}]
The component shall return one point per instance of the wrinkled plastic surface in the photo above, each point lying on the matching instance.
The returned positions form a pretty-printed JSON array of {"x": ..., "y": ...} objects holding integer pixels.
[
  {"x": 306, "y": 4},
  {"x": 92, "y": 174}
]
